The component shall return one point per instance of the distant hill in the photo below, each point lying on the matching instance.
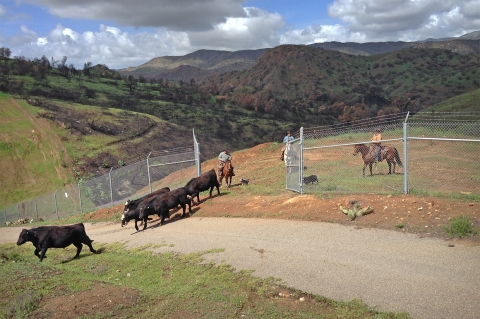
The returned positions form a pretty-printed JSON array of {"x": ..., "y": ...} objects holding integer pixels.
[
  {"x": 198, "y": 65},
  {"x": 202, "y": 64},
  {"x": 304, "y": 79}
]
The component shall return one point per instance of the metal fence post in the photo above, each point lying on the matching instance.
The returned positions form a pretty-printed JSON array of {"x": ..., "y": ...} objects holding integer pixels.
[
  {"x": 148, "y": 171},
  {"x": 56, "y": 206},
  {"x": 36, "y": 208},
  {"x": 405, "y": 155},
  {"x": 196, "y": 150},
  {"x": 111, "y": 189},
  {"x": 300, "y": 176},
  {"x": 80, "y": 197}
]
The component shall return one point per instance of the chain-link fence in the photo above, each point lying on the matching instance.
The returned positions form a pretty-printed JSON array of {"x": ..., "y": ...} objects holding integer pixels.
[
  {"x": 292, "y": 157},
  {"x": 172, "y": 168},
  {"x": 440, "y": 156}
]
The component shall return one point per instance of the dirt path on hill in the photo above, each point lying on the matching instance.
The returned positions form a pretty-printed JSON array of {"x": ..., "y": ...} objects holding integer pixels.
[{"x": 391, "y": 271}]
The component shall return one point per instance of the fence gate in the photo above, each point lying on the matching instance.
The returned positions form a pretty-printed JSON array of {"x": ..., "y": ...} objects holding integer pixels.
[
  {"x": 329, "y": 153},
  {"x": 294, "y": 168},
  {"x": 434, "y": 154}
]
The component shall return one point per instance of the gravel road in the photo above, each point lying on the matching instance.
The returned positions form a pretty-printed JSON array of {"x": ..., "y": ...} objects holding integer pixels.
[{"x": 388, "y": 270}]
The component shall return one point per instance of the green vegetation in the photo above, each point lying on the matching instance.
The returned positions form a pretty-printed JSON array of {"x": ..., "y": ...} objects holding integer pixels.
[
  {"x": 95, "y": 119},
  {"x": 29, "y": 155},
  {"x": 460, "y": 226},
  {"x": 467, "y": 102},
  {"x": 139, "y": 283}
]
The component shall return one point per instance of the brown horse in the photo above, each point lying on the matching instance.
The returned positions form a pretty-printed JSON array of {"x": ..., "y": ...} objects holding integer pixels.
[
  {"x": 228, "y": 173},
  {"x": 388, "y": 153}
]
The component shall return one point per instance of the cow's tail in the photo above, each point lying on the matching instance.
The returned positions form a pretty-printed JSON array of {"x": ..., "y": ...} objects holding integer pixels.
[
  {"x": 88, "y": 238},
  {"x": 397, "y": 158}
]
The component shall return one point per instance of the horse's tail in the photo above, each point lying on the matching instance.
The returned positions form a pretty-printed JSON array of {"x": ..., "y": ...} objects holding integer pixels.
[{"x": 397, "y": 158}]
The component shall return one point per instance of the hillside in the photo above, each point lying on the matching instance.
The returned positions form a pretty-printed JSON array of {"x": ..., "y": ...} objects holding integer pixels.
[
  {"x": 327, "y": 86},
  {"x": 198, "y": 65},
  {"x": 201, "y": 64},
  {"x": 49, "y": 145}
]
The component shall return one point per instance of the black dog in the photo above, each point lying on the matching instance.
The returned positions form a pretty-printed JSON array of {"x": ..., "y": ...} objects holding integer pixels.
[
  {"x": 244, "y": 181},
  {"x": 310, "y": 179}
]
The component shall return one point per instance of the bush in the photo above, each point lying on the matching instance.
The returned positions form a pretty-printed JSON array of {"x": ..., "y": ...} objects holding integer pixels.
[{"x": 460, "y": 226}]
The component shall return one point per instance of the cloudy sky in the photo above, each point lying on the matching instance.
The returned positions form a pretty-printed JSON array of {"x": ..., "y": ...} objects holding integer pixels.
[{"x": 122, "y": 33}]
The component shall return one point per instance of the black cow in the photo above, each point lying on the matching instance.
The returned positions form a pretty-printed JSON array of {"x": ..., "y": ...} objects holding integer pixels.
[
  {"x": 202, "y": 183},
  {"x": 132, "y": 207},
  {"x": 161, "y": 204},
  {"x": 45, "y": 237},
  {"x": 310, "y": 179}
]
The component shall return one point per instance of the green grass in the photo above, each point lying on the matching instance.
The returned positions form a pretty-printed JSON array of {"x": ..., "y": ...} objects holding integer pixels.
[
  {"x": 166, "y": 284},
  {"x": 25, "y": 154},
  {"x": 467, "y": 102},
  {"x": 460, "y": 226}
]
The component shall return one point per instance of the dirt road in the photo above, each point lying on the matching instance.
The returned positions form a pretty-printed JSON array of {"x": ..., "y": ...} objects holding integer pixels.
[{"x": 389, "y": 270}]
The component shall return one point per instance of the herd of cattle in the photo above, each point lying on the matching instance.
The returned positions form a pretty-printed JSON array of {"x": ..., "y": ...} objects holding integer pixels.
[{"x": 158, "y": 202}]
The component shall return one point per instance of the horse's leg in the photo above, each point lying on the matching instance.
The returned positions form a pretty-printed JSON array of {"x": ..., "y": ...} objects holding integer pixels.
[
  {"x": 371, "y": 163},
  {"x": 394, "y": 164},
  {"x": 389, "y": 167},
  {"x": 364, "y": 165}
]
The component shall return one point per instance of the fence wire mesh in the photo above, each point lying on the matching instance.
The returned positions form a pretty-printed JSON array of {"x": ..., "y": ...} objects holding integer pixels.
[
  {"x": 329, "y": 154},
  {"x": 440, "y": 156},
  {"x": 444, "y": 157},
  {"x": 292, "y": 163},
  {"x": 172, "y": 168}
]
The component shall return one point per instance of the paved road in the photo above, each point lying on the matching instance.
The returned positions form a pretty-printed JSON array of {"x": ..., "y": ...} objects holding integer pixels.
[{"x": 389, "y": 270}]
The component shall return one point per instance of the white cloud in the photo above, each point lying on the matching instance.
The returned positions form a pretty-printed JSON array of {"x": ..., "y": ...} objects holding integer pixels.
[
  {"x": 406, "y": 20},
  {"x": 109, "y": 46},
  {"x": 259, "y": 29}
]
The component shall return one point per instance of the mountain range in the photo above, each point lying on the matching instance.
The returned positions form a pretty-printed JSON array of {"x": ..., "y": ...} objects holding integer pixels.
[{"x": 202, "y": 64}]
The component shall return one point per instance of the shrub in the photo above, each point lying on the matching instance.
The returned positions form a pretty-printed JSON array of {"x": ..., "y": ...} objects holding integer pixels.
[{"x": 460, "y": 226}]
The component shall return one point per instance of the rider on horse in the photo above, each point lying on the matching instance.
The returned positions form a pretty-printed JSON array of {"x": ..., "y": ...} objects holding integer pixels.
[
  {"x": 377, "y": 147},
  {"x": 223, "y": 158},
  {"x": 286, "y": 139}
]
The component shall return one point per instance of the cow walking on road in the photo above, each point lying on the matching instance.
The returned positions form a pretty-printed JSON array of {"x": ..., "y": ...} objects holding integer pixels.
[
  {"x": 161, "y": 205},
  {"x": 132, "y": 207},
  {"x": 45, "y": 237}
]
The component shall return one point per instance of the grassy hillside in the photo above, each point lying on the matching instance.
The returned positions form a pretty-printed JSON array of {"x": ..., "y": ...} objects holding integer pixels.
[
  {"x": 47, "y": 146},
  {"x": 33, "y": 157},
  {"x": 467, "y": 102}
]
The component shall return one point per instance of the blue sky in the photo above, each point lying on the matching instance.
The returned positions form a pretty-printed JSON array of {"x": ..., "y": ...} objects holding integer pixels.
[{"x": 122, "y": 33}]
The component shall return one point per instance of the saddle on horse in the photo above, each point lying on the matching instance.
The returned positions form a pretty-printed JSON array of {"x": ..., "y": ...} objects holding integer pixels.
[
  {"x": 221, "y": 165},
  {"x": 377, "y": 152}
]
